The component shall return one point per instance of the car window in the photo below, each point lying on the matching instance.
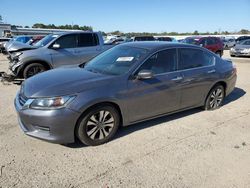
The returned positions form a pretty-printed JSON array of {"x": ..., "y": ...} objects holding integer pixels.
[
  {"x": 246, "y": 42},
  {"x": 211, "y": 41},
  {"x": 203, "y": 42},
  {"x": 193, "y": 58},
  {"x": 67, "y": 41},
  {"x": 87, "y": 39},
  {"x": 161, "y": 62}
]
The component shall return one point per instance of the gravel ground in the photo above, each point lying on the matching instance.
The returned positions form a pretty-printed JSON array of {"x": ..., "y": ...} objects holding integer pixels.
[{"x": 194, "y": 148}]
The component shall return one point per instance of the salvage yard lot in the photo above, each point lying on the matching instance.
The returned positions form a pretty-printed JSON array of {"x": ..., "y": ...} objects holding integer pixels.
[{"x": 194, "y": 148}]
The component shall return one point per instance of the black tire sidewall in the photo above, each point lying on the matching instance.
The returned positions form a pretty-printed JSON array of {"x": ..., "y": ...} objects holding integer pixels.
[
  {"x": 207, "y": 104},
  {"x": 26, "y": 69},
  {"x": 81, "y": 126}
]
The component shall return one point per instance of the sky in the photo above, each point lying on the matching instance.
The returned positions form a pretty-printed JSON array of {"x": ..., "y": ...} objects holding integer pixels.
[{"x": 132, "y": 15}]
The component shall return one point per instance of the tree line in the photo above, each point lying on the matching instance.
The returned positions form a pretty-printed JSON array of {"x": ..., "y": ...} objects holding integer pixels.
[{"x": 130, "y": 34}]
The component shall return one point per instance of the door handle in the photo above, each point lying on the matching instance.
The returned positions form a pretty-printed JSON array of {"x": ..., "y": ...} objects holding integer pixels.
[
  {"x": 211, "y": 71},
  {"x": 177, "y": 78}
]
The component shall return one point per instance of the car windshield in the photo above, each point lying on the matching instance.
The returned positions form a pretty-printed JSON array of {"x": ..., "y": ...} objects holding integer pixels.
[
  {"x": 45, "y": 40},
  {"x": 116, "y": 61}
]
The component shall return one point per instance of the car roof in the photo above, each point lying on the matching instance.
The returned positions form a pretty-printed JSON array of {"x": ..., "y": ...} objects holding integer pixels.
[
  {"x": 72, "y": 32},
  {"x": 156, "y": 45}
]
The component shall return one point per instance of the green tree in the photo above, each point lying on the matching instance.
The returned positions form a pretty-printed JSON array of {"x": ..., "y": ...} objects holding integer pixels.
[
  {"x": 244, "y": 31},
  {"x": 26, "y": 26},
  {"x": 195, "y": 32}
]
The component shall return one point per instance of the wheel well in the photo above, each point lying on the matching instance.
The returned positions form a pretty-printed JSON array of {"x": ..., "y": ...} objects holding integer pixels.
[
  {"x": 45, "y": 64},
  {"x": 224, "y": 84},
  {"x": 99, "y": 104}
]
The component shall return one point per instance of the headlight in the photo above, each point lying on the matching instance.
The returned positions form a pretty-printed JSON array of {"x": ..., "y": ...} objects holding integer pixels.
[
  {"x": 232, "y": 49},
  {"x": 246, "y": 50},
  {"x": 51, "y": 103}
]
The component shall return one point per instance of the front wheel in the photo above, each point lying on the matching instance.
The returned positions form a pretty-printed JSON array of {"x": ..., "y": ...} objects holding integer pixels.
[
  {"x": 33, "y": 69},
  {"x": 215, "y": 98},
  {"x": 98, "y": 126}
]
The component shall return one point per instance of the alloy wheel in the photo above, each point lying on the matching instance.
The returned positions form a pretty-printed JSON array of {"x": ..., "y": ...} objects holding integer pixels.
[
  {"x": 216, "y": 98},
  {"x": 100, "y": 125}
]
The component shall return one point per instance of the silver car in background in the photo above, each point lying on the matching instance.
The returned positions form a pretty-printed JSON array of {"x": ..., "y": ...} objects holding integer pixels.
[
  {"x": 56, "y": 50},
  {"x": 241, "y": 49}
]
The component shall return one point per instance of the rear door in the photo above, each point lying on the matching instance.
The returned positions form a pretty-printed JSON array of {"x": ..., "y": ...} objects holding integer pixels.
[
  {"x": 198, "y": 70},
  {"x": 65, "y": 55},
  {"x": 88, "y": 46},
  {"x": 158, "y": 95}
]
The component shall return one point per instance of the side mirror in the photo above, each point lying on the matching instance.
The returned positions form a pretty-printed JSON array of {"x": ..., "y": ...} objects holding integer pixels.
[
  {"x": 145, "y": 74},
  {"x": 56, "y": 46}
]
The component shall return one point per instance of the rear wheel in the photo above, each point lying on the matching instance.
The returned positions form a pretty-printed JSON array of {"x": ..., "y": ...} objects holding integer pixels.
[
  {"x": 33, "y": 69},
  {"x": 98, "y": 126},
  {"x": 215, "y": 98}
]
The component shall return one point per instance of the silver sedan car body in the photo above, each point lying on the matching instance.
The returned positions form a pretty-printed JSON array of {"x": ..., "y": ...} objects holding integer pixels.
[{"x": 241, "y": 49}]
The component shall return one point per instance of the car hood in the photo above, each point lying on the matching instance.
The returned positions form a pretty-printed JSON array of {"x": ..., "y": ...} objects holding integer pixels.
[
  {"x": 63, "y": 81},
  {"x": 18, "y": 46},
  {"x": 239, "y": 46}
]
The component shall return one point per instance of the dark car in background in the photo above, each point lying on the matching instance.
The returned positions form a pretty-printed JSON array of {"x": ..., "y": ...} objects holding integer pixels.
[
  {"x": 241, "y": 38},
  {"x": 167, "y": 39},
  {"x": 129, "y": 83},
  {"x": 143, "y": 38},
  {"x": 213, "y": 44}
]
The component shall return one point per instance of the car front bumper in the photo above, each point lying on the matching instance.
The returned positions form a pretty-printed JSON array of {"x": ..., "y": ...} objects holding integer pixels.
[
  {"x": 239, "y": 53},
  {"x": 57, "y": 126}
]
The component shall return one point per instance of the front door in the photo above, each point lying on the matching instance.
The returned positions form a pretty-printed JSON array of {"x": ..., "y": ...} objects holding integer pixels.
[
  {"x": 158, "y": 95},
  {"x": 66, "y": 53}
]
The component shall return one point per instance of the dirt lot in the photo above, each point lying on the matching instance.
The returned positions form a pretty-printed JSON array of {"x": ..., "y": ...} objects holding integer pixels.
[{"x": 194, "y": 148}]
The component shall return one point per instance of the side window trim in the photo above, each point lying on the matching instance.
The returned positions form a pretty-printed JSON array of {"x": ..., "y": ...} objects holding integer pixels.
[
  {"x": 203, "y": 51},
  {"x": 153, "y": 54},
  {"x": 76, "y": 40}
]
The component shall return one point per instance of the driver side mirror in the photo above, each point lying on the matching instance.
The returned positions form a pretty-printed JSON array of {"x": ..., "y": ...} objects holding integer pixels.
[
  {"x": 145, "y": 74},
  {"x": 56, "y": 46}
]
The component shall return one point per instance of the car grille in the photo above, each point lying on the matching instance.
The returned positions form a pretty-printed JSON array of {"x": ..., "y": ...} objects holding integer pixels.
[{"x": 22, "y": 99}]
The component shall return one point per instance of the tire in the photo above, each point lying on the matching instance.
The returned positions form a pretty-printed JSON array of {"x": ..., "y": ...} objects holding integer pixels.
[
  {"x": 91, "y": 128},
  {"x": 33, "y": 69},
  {"x": 216, "y": 94},
  {"x": 232, "y": 55}
]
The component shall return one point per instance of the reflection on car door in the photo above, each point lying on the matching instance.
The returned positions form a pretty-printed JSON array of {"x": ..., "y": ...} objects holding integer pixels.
[
  {"x": 198, "y": 70},
  {"x": 158, "y": 95},
  {"x": 65, "y": 55}
]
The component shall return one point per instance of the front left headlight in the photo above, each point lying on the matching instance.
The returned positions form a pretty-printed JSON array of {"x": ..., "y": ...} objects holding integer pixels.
[
  {"x": 51, "y": 103},
  {"x": 246, "y": 50}
]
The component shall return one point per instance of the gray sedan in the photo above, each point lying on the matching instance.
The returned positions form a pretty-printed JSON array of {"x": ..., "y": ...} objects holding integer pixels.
[{"x": 129, "y": 83}]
